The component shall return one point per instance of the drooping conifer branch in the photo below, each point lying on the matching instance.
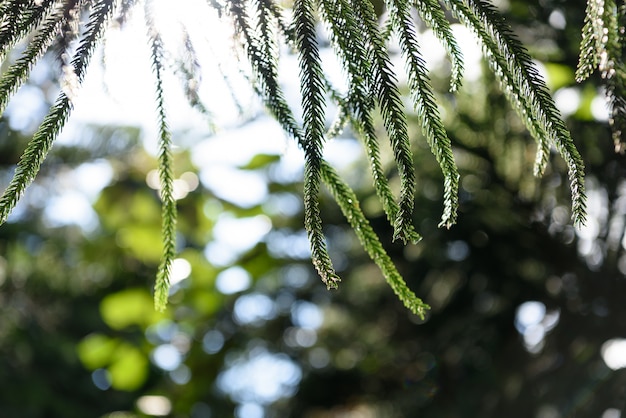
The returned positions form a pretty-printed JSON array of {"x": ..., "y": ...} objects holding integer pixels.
[
  {"x": 350, "y": 208},
  {"x": 432, "y": 14},
  {"x": 265, "y": 69},
  {"x": 166, "y": 175},
  {"x": 432, "y": 126},
  {"x": 591, "y": 46},
  {"x": 37, "y": 149},
  {"x": 313, "y": 108},
  {"x": 360, "y": 42},
  {"x": 385, "y": 88},
  {"x": 601, "y": 48},
  {"x": 18, "y": 21},
  {"x": 526, "y": 91},
  {"x": 18, "y": 72},
  {"x": 359, "y": 101}
]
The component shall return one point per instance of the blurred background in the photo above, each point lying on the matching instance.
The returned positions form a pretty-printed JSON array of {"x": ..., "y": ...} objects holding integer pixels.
[{"x": 528, "y": 316}]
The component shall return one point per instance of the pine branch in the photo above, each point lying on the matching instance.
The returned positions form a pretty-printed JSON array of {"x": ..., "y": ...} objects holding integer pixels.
[
  {"x": 189, "y": 71},
  {"x": 385, "y": 87},
  {"x": 69, "y": 28},
  {"x": 313, "y": 107},
  {"x": 591, "y": 44},
  {"x": 617, "y": 82},
  {"x": 18, "y": 72},
  {"x": 433, "y": 15},
  {"x": 601, "y": 48},
  {"x": 272, "y": 8},
  {"x": 500, "y": 48},
  {"x": 265, "y": 71},
  {"x": 37, "y": 149},
  {"x": 18, "y": 21},
  {"x": 432, "y": 126},
  {"x": 348, "y": 43},
  {"x": 125, "y": 9},
  {"x": 166, "y": 176},
  {"x": 350, "y": 208},
  {"x": 526, "y": 91}
]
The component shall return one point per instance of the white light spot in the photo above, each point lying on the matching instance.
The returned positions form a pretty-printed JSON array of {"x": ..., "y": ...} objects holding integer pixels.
[
  {"x": 167, "y": 357},
  {"x": 533, "y": 322},
  {"x": 181, "y": 375},
  {"x": 218, "y": 150},
  {"x": 612, "y": 413},
  {"x": 557, "y": 19},
  {"x": 260, "y": 377},
  {"x": 191, "y": 179},
  {"x": 254, "y": 308},
  {"x": 599, "y": 109},
  {"x": 181, "y": 269},
  {"x": 70, "y": 208},
  {"x": 319, "y": 357},
  {"x": 243, "y": 188},
  {"x": 241, "y": 234},
  {"x": 300, "y": 337},
  {"x": 529, "y": 314},
  {"x": 91, "y": 178},
  {"x": 342, "y": 153},
  {"x": 470, "y": 48},
  {"x": 154, "y": 405},
  {"x": 233, "y": 236},
  {"x": 233, "y": 280},
  {"x": 614, "y": 353},
  {"x": 249, "y": 410},
  {"x": 219, "y": 255},
  {"x": 287, "y": 243},
  {"x": 306, "y": 315},
  {"x": 567, "y": 100},
  {"x": 458, "y": 250},
  {"x": 212, "y": 342},
  {"x": 25, "y": 109},
  {"x": 152, "y": 179}
]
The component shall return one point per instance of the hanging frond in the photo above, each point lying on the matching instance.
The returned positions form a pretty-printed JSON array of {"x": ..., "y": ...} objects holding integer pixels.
[
  {"x": 18, "y": 72},
  {"x": 359, "y": 103},
  {"x": 350, "y": 208},
  {"x": 69, "y": 29},
  {"x": 591, "y": 45},
  {"x": 190, "y": 73},
  {"x": 616, "y": 85},
  {"x": 313, "y": 109},
  {"x": 601, "y": 48},
  {"x": 526, "y": 91},
  {"x": 124, "y": 11},
  {"x": 361, "y": 43},
  {"x": 432, "y": 126},
  {"x": 18, "y": 20},
  {"x": 385, "y": 87},
  {"x": 265, "y": 71},
  {"x": 166, "y": 176},
  {"x": 37, "y": 149},
  {"x": 432, "y": 14}
]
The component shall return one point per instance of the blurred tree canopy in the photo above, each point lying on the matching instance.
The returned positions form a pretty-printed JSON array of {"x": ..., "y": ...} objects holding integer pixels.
[{"x": 527, "y": 313}]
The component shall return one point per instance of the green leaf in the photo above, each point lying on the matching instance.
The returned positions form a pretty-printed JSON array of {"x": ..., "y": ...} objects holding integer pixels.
[
  {"x": 127, "y": 308},
  {"x": 129, "y": 368},
  {"x": 96, "y": 350},
  {"x": 260, "y": 161}
]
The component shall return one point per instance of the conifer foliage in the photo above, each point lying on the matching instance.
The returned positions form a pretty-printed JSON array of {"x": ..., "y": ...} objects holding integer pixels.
[
  {"x": 602, "y": 49},
  {"x": 361, "y": 40}
]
